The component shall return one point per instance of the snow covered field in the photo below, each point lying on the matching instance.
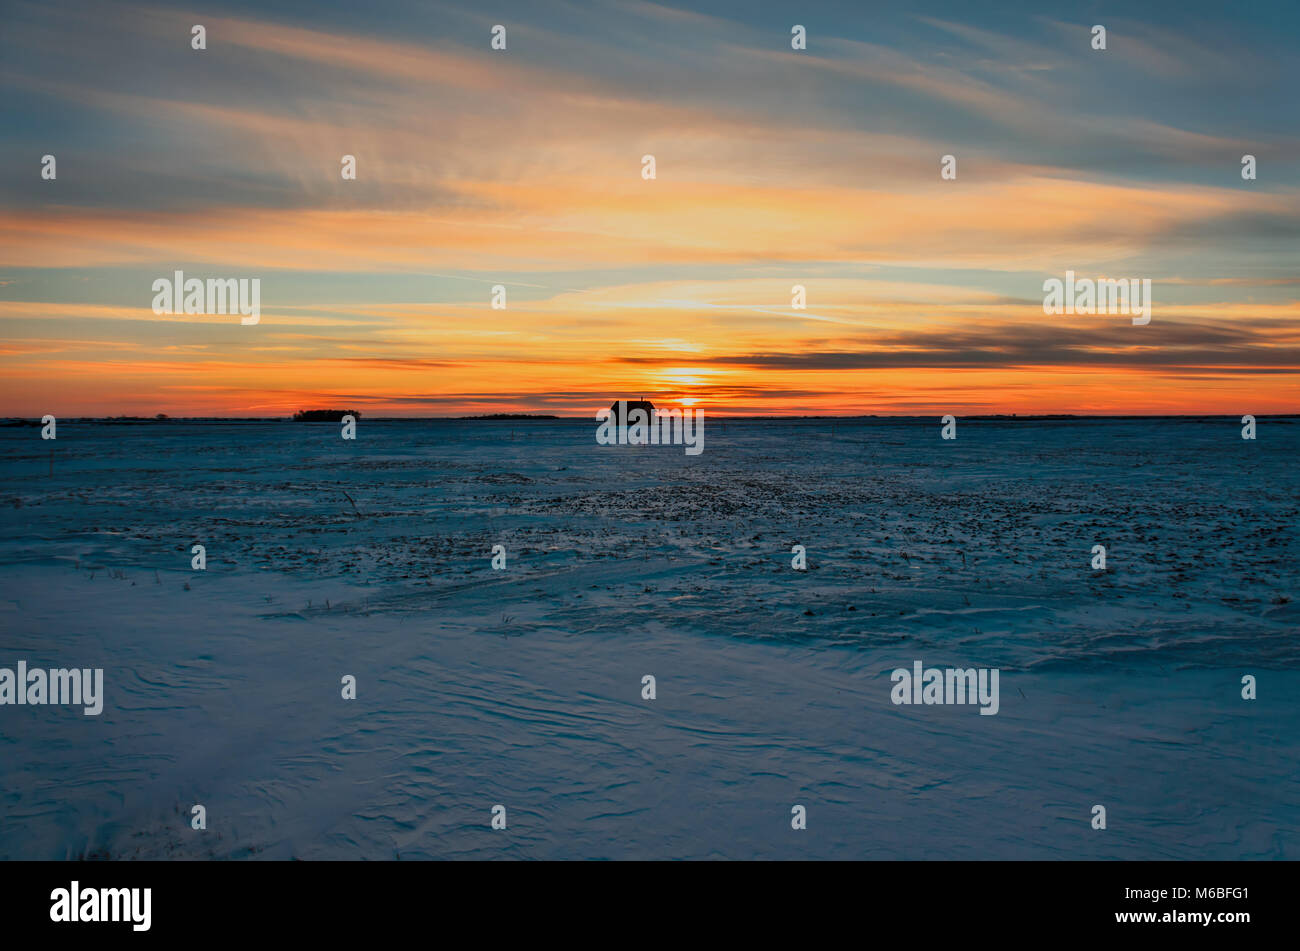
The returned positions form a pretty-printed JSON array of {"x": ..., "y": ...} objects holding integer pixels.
[{"x": 523, "y": 686}]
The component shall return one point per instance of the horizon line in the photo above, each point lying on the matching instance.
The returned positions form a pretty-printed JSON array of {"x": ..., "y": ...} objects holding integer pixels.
[{"x": 524, "y": 417}]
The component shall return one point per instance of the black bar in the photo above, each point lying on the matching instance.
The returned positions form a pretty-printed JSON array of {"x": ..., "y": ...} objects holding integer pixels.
[{"x": 949, "y": 901}]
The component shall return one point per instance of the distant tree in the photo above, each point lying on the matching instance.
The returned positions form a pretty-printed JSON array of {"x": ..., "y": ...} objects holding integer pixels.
[{"x": 324, "y": 415}]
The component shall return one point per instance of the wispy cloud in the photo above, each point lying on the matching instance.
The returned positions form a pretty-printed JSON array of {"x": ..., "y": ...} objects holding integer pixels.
[{"x": 775, "y": 168}]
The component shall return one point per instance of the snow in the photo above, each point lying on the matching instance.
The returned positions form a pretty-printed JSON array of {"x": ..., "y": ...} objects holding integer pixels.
[{"x": 523, "y": 686}]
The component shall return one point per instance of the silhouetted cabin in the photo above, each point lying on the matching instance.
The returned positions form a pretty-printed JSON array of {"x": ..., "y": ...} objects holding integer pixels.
[{"x": 645, "y": 405}]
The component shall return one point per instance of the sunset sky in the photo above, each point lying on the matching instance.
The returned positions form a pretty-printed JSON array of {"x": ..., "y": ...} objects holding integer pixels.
[{"x": 775, "y": 167}]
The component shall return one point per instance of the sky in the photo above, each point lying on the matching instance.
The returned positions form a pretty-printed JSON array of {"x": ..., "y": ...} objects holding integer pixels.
[{"x": 774, "y": 167}]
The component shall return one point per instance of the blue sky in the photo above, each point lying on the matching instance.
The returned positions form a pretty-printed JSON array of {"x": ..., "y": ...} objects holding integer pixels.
[{"x": 522, "y": 168}]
